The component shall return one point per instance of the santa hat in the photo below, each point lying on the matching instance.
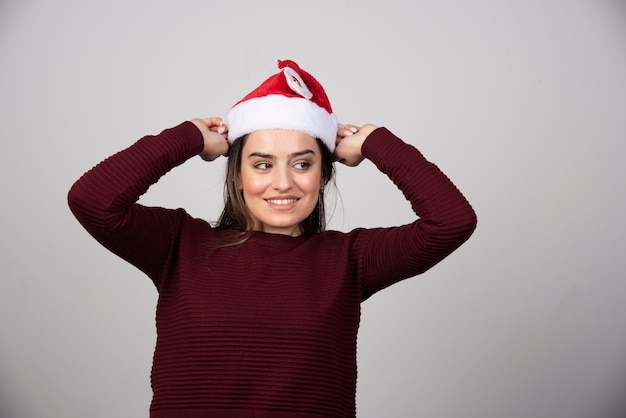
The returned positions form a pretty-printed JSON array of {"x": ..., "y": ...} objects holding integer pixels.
[{"x": 292, "y": 99}]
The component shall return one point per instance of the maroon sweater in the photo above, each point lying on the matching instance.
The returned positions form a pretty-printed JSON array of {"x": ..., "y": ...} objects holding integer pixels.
[{"x": 267, "y": 328}]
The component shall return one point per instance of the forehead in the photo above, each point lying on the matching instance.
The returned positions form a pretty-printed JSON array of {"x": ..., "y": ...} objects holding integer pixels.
[{"x": 279, "y": 141}]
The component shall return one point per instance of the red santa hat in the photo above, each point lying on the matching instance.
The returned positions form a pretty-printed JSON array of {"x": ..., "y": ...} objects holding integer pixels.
[{"x": 292, "y": 99}]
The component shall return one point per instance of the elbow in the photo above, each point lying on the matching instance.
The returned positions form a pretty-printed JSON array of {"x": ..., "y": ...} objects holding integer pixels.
[
  {"x": 82, "y": 205},
  {"x": 471, "y": 222},
  {"x": 73, "y": 199},
  {"x": 77, "y": 198},
  {"x": 461, "y": 228},
  {"x": 466, "y": 225},
  {"x": 76, "y": 202}
]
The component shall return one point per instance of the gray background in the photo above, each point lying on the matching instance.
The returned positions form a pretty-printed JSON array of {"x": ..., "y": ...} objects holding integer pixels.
[{"x": 521, "y": 103}]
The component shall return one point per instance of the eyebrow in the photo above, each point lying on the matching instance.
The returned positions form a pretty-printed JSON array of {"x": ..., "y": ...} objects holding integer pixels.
[{"x": 271, "y": 157}]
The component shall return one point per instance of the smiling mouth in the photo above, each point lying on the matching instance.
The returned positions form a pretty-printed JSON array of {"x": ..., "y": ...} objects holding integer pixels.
[{"x": 279, "y": 202}]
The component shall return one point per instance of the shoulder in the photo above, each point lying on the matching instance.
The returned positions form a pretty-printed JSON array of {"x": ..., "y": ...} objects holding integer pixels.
[{"x": 340, "y": 242}]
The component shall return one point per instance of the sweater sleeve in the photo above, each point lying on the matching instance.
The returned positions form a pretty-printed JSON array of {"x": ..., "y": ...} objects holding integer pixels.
[
  {"x": 104, "y": 199},
  {"x": 445, "y": 218}
]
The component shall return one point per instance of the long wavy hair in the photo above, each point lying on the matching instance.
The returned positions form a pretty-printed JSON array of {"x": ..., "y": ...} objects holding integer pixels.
[{"x": 236, "y": 215}]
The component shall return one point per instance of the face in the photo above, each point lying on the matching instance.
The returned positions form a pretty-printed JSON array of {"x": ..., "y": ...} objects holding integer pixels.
[{"x": 281, "y": 177}]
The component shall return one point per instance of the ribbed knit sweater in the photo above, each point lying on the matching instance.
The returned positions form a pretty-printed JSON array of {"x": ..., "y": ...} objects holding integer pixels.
[{"x": 267, "y": 328}]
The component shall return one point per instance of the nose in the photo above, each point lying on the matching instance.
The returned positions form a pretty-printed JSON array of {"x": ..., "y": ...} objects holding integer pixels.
[{"x": 282, "y": 179}]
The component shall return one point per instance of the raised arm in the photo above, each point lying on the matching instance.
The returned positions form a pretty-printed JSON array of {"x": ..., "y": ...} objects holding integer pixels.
[
  {"x": 445, "y": 218},
  {"x": 104, "y": 199}
]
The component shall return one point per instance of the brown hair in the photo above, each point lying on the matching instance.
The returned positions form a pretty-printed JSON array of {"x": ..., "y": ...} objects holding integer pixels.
[{"x": 236, "y": 215}]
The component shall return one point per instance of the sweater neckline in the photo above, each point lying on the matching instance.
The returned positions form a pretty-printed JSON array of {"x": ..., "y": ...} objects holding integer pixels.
[{"x": 269, "y": 236}]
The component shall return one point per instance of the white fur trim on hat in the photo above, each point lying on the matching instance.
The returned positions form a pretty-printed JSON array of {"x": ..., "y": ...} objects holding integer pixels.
[{"x": 276, "y": 111}]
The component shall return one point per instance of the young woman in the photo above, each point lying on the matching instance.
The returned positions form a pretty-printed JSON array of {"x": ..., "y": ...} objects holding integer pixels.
[{"x": 258, "y": 315}]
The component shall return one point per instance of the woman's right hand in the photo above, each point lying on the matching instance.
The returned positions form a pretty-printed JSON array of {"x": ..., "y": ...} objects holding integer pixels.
[{"x": 214, "y": 133}]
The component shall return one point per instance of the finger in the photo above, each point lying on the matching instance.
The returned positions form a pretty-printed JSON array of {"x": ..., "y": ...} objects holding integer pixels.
[
  {"x": 352, "y": 129},
  {"x": 348, "y": 131},
  {"x": 220, "y": 129},
  {"x": 213, "y": 121}
]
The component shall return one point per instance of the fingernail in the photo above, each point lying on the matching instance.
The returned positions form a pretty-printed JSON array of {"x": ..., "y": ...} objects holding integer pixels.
[{"x": 221, "y": 129}]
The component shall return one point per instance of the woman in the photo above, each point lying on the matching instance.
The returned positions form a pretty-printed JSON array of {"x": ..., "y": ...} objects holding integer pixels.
[{"x": 258, "y": 315}]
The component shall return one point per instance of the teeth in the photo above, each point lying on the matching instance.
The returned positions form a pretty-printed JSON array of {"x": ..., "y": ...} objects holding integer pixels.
[{"x": 281, "y": 201}]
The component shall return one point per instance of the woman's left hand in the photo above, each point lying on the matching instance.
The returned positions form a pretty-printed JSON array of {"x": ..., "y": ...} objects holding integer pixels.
[{"x": 350, "y": 139}]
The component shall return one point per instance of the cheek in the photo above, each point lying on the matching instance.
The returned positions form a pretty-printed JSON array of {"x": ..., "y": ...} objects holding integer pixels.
[
  {"x": 252, "y": 183},
  {"x": 311, "y": 184}
]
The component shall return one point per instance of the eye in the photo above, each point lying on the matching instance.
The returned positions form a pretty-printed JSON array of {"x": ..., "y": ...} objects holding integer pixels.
[
  {"x": 302, "y": 165},
  {"x": 262, "y": 166}
]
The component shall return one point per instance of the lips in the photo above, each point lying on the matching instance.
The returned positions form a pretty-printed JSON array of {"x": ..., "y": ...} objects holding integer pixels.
[{"x": 281, "y": 202}]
